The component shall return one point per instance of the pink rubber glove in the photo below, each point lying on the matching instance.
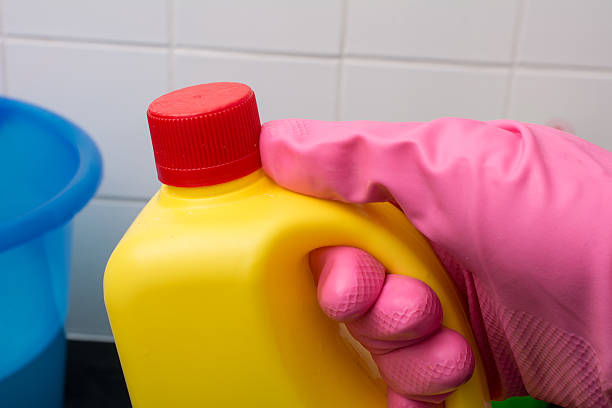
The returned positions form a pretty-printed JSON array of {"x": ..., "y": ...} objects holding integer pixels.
[{"x": 521, "y": 217}]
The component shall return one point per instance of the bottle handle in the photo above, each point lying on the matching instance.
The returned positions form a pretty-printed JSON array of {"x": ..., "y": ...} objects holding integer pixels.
[{"x": 403, "y": 250}]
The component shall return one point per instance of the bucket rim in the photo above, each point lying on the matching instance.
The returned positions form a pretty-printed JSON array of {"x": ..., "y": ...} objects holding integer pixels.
[{"x": 60, "y": 208}]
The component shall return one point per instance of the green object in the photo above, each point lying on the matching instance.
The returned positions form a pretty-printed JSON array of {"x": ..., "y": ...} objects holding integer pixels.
[{"x": 519, "y": 402}]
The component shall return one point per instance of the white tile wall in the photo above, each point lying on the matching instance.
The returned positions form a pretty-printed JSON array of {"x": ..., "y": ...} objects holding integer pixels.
[
  {"x": 473, "y": 30},
  {"x": 117, "y": 20},
  {"x": 2, "y": 62},
  {"x": 267, "y": 25},
  {"x": 567, "y": 32},
  {"x": 417, "y": 92},
  {"x": 284, "y": 86},
  {"x": 104, "y": 89},
  {"x": 100, "y": 64},
  {"x": 585, "y": 101},
  {"x": 98, "y": 228}
]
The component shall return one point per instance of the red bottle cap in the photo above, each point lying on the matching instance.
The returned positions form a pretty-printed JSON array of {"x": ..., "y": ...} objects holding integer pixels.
[{"x": 205, "y": 134}]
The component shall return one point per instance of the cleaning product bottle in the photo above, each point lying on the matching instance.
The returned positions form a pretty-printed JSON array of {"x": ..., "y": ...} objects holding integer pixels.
[{"x": 209, "y": 292}]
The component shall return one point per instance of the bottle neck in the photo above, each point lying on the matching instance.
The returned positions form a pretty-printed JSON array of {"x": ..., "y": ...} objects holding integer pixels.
[{"x": 213, "y": 190}]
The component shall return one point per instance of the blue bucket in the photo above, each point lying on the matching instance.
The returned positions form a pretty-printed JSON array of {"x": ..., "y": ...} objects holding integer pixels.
[{"x": 49, "y": 170}]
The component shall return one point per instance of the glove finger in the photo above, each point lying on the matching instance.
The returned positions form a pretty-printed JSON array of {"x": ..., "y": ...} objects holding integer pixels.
[
  {"x": 349, "y": 281},
  {"x": 437, "y": 365},
  {"x": 406, "y": 309},
  {"x": 395, "y": 400}
]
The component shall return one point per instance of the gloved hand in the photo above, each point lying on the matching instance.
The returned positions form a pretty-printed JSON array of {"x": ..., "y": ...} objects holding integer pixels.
[{"x": 520, "y": 216}]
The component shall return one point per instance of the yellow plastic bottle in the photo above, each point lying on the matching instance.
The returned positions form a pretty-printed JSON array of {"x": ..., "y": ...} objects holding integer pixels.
[{"x": 209, "y": 293}]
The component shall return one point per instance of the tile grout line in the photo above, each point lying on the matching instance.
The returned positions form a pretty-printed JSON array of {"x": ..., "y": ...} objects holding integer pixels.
[
  {"x": 256, "y": 53},
  {"x": 228, "y": 52},
  {"x": 434, "y": 63},
  {"x": 340, "y": 69},
  {"x": 171, "y": 44},
  {"x": 117, "y": 199},
  {"x": 79, "y": 336},
  {"x": 564, "y": 68},
  {"x": 518, "y": 28},
  {"x": 68, "y": 41}
]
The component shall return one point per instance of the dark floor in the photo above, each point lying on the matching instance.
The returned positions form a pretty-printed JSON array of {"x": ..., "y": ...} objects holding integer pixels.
[{"x": 93, "y": 377}]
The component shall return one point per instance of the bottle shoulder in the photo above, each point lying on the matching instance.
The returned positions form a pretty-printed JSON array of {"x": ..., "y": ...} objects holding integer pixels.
[{"x": 249, "y": 223}]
